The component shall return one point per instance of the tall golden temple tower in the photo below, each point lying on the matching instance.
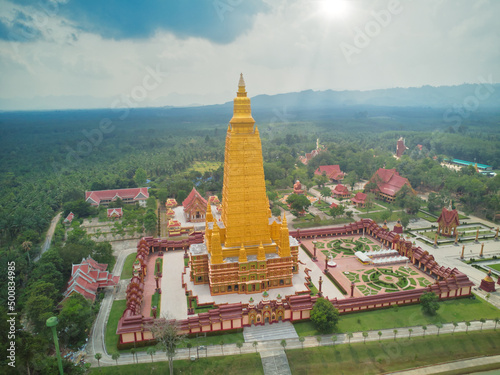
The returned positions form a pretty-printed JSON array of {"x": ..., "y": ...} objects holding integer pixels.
[{"x": 246, "y": 250}]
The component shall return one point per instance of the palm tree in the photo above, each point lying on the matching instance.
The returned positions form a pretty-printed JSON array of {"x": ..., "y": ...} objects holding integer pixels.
[
  {"x": 115, "y": 356},
  {"x": 189, "y": 345},
  {"x": 482, "y": 320},
  {"x": 98, "y": 356},
  {"x": 333, "y": 338},
  {"x": 409, "y": 333},
  {"x": 255, "y": 343},
  {"x": 395, "y": 333},
  {"x": 379, "y": 335},
  {"x": 319, "y": 340},
  {"x": 439, "y": 325},
  {"x": 455, "y": 325},
  {"x": 424, "y": 327},
  {"x": 467, "y": 323},
  {"x": 283, "y": 343},
  {"x": 365, "y": 335},
  {"x": 302, "y": 339},
  {"x": 497, "y": 319},
  {"x": 152, "y": 351},
  {"x": 133, "y": 350},
  {"x": 239, "y": 344},
  {"x": 349, "y": 335},
  {"x": 221, "y": 343}
]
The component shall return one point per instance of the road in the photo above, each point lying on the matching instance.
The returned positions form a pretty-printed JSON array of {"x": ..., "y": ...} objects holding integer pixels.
[{"x": 50, "y": 234}]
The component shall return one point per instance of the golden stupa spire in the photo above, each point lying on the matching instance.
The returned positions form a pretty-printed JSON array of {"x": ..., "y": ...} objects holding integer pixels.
[
  {"x": 261, "y": 253},
  {"x": 284, "y": 247},
  {"x": 243, "y": 255},
  {"x": 216, "y": 246},
  {"x": 208, "y": 216}
]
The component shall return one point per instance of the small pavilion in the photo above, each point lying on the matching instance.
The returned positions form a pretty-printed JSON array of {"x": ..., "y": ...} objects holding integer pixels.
[
  {"x": 341, "y": 191},
  {"x": 359, "y": 200},
  {"x": 194, "y": 207},
  {"x": 448, "y": 222}
]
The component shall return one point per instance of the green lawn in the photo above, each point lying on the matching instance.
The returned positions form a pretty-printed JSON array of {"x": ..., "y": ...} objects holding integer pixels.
[
  {"x": 111, "y": 338},
  {"x": 127, "y": 267},
  {"x": 458, "y": 310},
  {"x": 495, "y": 266},
  {"x": 427, "y": 217},
  {"x": 228, "y": 338},
  {"x": 245, "y": 364},
  {"x": 387, "y": 356},
  {"x": 377, "y": 216}
]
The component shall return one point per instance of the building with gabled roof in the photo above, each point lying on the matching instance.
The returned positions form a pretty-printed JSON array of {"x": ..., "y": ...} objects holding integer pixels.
[
  {"x": 69, "y": 218},
  {"x": 388, "y": 183},
  {"x": 194, "y": 207},
  {"x": 448, "y": 222},
  {"x": 105, "y": 197},
  {"x": 341, "y": 191},
  {"x": 400, "y": 147},
  {"x": 115, "y": 213},
  {"x": 333, "y": 172},
  {"x": 170, "y": 203},
  {"x": 87, "y": 277},
  {"x": 359, "y": 199}
]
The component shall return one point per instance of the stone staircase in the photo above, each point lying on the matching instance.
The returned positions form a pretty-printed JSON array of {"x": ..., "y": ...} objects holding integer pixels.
[{"x": 275, "y": 331}]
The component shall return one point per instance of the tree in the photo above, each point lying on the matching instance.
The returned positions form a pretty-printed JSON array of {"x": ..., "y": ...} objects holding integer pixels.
[
  {"x": 152, "y": 351},
  {"x": 255, "y": 343},
  {"x": 497, "y": 319},
  {"x": 140, "y": 177},
  {"x": 115, "y": 356},
  {"x": 318, "y": 339},
  {"x": 325, "y": 192},
  {"x": 283, "y": 343},
  {"x": 365, "y": 335},
  {"x": 467, "y": 323},
  {"x": 482, "y": 320},
  {"x": 302, "y": 339},
  {"x": 133, "y": 351},
  {"x": 189, "y": 345},
  {"x": 221, "y": 343},
  {"x": 439, "y": 325},
  {"x": 98, "y": 356},
  {"x": 349, "y": 336},
  {"x": 429, "y": 302},
  {"x": 75, "y": 321},
  {"x": 405, "y": 220},
  {"x": 351, "y": 179},
  {"x": 38, "y": 309},
  {"x": 239, "y": 345},
  {"x": 166, "y": 333},
  {"x": 424, "y": 327},
  {"x": 395, "y": 333},
  {"x": 324, "y": 316},
  {"x": 409, "y": 333},
  {"x": 333, "y": 338},
  {"x": 379, "y": 335},
  {"x": 455, "y": 324},
  {"x": 298, "y": 202}
]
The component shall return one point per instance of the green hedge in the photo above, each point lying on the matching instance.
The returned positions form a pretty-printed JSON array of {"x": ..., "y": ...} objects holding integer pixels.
[{"x": 335, "y": 282}]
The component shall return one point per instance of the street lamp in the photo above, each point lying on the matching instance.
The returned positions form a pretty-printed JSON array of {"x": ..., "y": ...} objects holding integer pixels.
[{"x": 52, "y": 323}]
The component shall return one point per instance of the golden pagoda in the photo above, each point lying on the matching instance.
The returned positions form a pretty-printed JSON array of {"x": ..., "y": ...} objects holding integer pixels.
[{"x": 246, "y": 250}]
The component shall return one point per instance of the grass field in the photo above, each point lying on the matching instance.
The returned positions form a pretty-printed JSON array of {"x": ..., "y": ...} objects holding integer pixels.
[
  {"x": 495, "y": 266},
  {"x": 127, "y": 267},
  {"x": 205, "y": 166},
  {"x": 458, "y": 310},
  {"x": 111, "y": 338},
  {"x": 377, "y": 216},
  {"x": 389, "y": 355},
  {"x": 427, "y": 217},
  {"x": 246, "y": 364}
]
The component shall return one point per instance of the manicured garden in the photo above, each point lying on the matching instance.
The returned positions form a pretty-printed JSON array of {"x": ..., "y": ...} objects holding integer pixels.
[
  {"x": 127, "y": 266},
  {"x": 495, "y": 266},
  {"x": 111, "y": 338},
  {"x": 388, "y": 355}
]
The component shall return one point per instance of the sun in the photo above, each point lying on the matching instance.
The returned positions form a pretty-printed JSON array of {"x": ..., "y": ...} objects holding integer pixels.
[{"x": 334, "y": 8}]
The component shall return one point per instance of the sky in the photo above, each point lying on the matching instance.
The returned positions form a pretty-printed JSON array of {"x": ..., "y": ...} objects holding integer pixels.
[{"x": 60, "y": 54}]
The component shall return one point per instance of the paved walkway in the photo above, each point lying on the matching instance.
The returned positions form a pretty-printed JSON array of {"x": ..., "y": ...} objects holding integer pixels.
[
  {"x": 275, "y": 331},
  {"x": 173, "y": 296},
  {"x": 456, "y": 365},
  {"x": 275, "y": 362}
]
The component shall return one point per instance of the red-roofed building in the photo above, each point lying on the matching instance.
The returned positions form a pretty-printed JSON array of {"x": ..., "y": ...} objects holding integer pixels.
[
  {"x": 448, "y": 222},
  {"x": 171, "y": 203},
  {"x": 389, "y": 183},
  {"x": 195, "y": 207},
  {"x": 69, "y": 218},
  {"x": 115, "y": 213},
  {"x": 87, "y": 277},
  {"x": 341, "y": 191},
  {"x": 214, "y": 199},
  {"x": 400, "y": 147},
  {"x": 104, "y": 197},
  {"x": 359, "y": 200},
  {"x": 333, "y": 172},
  {"x": 334, "y": 205}
]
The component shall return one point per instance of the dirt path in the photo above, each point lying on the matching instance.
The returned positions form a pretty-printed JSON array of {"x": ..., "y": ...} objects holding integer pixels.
[{"x": 50, "y": 234}]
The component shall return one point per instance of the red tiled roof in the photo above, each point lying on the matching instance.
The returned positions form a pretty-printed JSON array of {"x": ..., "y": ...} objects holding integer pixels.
[
  {"x": 95, "y": 197},
  {"x": 334, "y": 205},
  {"x": 448, "y": 217},
  {"x": 359, "y": 198},
  {"x": 331, "y": 171},
  {"x": 115, "y": 212},
  {"x": 192, "y": 197},
  {"x": 389, "y": 181},
  {"x": 69, "y": 218},
  {"x": 340, "y": 189}
]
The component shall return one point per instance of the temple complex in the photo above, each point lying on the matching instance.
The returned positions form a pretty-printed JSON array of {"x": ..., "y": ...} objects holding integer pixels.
[
  {"x": 246, "y": 250},
  {"x": 388, "y": 183},
  {"x": 333, "y": 172}
]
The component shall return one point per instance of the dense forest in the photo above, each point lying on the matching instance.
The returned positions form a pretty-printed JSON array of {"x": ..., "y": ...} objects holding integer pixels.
[{"x": 49, "y": 159}]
